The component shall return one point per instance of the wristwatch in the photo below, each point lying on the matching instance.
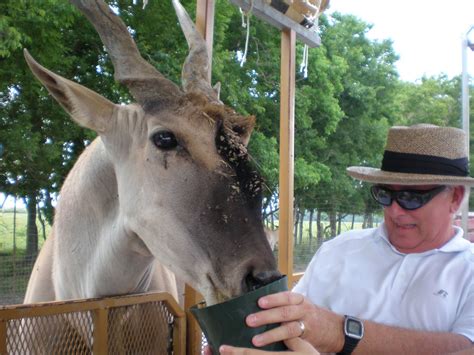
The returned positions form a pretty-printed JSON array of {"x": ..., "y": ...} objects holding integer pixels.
[{"x": 353, "y": 333}]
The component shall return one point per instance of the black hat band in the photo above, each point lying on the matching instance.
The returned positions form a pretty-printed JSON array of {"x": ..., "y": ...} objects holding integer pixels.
[{"x": 424, "y": 164}]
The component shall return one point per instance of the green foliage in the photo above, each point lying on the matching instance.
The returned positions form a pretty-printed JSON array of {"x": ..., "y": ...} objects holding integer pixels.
[
  {"x": 41, "y": 143},
  {"x": 10, "y": 37},
  {"x": 363, "y": 79},
  {"x": 430, "y": 100}
]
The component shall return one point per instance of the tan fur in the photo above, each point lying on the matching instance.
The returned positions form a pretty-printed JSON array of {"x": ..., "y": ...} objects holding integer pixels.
[{"x": 40, "y": 286}]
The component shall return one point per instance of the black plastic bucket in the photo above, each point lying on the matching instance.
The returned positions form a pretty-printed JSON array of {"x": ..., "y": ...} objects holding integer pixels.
[{"x": 224, "y": 323}]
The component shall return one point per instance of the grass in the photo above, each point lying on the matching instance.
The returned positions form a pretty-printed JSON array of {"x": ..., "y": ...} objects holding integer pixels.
[
  {"x": 15, "y": 267},
  {"x": 13, "y": 235}
]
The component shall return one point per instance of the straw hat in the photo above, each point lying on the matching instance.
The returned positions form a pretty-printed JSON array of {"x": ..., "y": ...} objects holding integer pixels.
[{"x": 422, "y": 154}]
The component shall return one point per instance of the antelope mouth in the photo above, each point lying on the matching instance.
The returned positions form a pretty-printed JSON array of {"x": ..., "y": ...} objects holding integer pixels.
[
  {"x": 217, "y": 294},
  {"x": 254, "y": 281},
  {"x": 250, "y": 283}
]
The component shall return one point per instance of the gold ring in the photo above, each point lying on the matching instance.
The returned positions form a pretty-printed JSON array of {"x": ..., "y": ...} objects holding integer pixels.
[{"x": 302, "y": 327}]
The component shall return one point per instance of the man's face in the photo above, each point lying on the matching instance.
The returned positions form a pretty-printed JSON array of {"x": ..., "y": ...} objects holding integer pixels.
[{"x": 426, "y": 228}]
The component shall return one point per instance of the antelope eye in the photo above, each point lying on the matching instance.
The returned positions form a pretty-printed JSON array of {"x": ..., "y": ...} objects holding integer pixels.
[{"x": 165, "y": 140}]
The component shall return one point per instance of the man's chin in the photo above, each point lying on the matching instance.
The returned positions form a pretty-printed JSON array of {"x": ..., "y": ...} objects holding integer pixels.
[{"x": 405, "y": 241}]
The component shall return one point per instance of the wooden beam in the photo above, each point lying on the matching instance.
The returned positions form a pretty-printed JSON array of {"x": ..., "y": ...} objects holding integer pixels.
[
  {"x": 205, "y": 26},
  {"x": 101, "y": 331},
  {"x": 193, "y": 331},
  {"x": 287, "y": 124},
  {"x": 3, "y": 336},
  {"x": 267, "y": 13}
]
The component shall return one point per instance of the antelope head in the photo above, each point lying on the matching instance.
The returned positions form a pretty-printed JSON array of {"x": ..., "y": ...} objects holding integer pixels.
[{"x": 185, "y": 186}]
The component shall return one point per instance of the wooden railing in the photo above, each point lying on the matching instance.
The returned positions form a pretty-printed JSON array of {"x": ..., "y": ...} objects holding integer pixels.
[{"x": 147, "y": 323}]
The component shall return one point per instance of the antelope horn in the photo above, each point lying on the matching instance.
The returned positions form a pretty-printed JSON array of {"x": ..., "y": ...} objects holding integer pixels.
[
  {"x": 194, "y": 76},
  {"x": 142, "y": 79}
]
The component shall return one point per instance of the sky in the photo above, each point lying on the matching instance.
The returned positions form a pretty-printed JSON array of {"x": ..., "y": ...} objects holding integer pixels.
[{"x": 426, "y": 34}]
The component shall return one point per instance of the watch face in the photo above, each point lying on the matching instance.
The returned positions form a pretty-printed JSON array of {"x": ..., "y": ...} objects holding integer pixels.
[{"x": 354, "y": 327}]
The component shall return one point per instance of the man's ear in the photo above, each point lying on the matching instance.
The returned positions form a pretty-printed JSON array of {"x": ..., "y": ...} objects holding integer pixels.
[{"x": 457, "y": 198}]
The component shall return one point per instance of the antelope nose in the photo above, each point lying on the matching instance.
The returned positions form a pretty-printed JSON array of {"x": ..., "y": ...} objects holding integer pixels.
[{"x": 253, "y": 281}]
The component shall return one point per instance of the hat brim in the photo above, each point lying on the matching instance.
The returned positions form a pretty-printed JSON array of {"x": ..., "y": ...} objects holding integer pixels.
[{"x": 378, "y": 176}]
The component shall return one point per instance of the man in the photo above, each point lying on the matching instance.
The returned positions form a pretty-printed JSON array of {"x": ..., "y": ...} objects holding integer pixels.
[{"x": 406, "y": 287}]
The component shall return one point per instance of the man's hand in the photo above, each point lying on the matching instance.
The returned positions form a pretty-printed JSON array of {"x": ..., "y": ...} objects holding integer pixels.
[
  {"x": 322, "y": 328},
  {"x": 298, "y": 319},
  {"x": 295, "y": 345}
]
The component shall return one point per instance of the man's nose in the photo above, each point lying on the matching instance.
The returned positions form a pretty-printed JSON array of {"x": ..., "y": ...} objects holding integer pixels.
[{"x": 395, "y": 209}]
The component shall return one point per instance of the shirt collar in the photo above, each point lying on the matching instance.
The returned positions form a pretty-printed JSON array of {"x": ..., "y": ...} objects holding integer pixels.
[{"x": 454, "y": 245}]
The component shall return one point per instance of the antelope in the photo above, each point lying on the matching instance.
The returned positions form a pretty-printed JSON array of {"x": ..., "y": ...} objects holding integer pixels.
[{"x": 166, "y": 189}]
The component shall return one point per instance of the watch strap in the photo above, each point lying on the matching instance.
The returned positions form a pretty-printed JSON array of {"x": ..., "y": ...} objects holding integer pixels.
[
  {"x": 349, "y": 345},
  {"x": 350, "y": 342}
]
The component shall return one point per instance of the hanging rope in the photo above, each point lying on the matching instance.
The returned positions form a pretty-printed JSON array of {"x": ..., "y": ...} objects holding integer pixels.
[
  {"x": 304, "y": 62},
  {"x": 145, "y": 3},
  {"x": 246, "y": 24}
]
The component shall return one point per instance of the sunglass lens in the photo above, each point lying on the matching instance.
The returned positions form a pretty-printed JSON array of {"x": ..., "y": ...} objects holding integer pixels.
[
  {"x": 410, "y": 200},
  {"x": 381, "y": 195}
]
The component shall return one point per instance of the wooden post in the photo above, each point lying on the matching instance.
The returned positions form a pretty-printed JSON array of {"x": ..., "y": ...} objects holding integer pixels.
[
  {"x": 3, "y": 336},
  {"x": 287, "y": 124},
  {"x": 193, "y": 331},
  {"x": 179, "y": 336},
  {"x": 205, "y": 26},
  {"x": 100, "y": 336}
]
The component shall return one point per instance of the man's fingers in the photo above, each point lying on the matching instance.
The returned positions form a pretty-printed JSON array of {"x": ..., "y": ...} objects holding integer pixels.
[
  {"x": 278, "y": 308},
  {"x": 280, "y": 299},
  {"x": 300, "y": 346},
  {"x": 231, "y": 350},
  {"x": 284, "y": 331},
  {"x": 297, "y": 346},
  {"x": 277, "y": 315}
]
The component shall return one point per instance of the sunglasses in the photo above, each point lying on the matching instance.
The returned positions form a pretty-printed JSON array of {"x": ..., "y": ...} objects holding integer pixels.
[{"x": 407, "y": 199}]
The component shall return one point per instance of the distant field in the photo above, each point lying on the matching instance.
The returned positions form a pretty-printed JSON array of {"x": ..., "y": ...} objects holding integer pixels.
[
  {"x": 13, "y": 232},
  {"x": 15, "y": 267}
]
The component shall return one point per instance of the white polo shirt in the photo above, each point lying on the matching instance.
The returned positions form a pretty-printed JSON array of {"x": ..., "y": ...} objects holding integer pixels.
[{"x": 359, "y": 273}]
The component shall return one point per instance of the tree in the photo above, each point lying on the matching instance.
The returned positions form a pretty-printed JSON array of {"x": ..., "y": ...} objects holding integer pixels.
[
  {"x": 41, "y": 143},
  {"x": 369, "y": 87},
  {"x": 430, "y": 100}
]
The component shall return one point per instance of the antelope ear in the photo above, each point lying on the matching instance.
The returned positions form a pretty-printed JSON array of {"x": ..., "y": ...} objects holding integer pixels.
[
  {"x": 217, "y": 89},
  {"x": 85, "y": 106},
  {"x": 244, "y": 128}
]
